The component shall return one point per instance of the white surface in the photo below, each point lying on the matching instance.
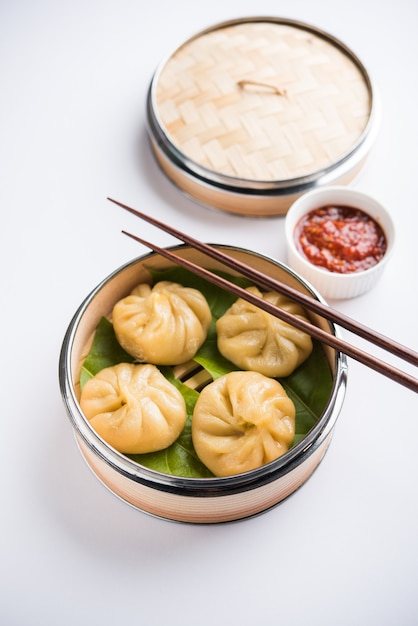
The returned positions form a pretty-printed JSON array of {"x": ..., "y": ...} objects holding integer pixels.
[{"x": 344, "y": 549}]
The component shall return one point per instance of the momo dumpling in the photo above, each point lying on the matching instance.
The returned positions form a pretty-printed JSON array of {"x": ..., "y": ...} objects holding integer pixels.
[
  {"x": 134, "y": 408},
  {"x": 163, "y": 325},
  {"x": 255, "y": 340},
  {"x": 241, "y": 421}
]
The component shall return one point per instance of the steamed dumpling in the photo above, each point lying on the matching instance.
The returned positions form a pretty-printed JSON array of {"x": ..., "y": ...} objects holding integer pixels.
[
  {"x": 255, "y": 340},
  {"x": 242, "y": 421},
  {"x": 164, "y": 325},
  {"x": 134, "y": 408}
]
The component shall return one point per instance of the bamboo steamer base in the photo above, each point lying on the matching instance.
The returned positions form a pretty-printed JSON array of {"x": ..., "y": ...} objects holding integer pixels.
[
  {"x": 203, "y": 510},
  {"x": 231, "y": 201}
]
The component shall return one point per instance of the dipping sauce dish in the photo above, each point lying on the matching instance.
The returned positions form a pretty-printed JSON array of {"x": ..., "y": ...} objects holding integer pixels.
[{"x": 339, "y": 239}]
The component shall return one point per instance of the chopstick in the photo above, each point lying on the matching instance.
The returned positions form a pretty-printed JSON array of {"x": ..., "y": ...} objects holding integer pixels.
[
  {"x": 316, "y": 306},
  {"x": 313, "y": 305},
  {"x": 383, "y": 368}
]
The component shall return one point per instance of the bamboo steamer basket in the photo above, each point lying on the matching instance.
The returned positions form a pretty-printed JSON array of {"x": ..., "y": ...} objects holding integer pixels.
[
  {"x": 251, "y": 113},
  {"x": 175, "y": 498}
]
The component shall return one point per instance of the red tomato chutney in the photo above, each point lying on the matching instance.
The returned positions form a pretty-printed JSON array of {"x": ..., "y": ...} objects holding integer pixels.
[{"x": 340, "y": 239}]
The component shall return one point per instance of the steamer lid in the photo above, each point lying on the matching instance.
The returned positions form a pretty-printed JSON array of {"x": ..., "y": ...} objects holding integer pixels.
[{"x": 259, "y": 108}]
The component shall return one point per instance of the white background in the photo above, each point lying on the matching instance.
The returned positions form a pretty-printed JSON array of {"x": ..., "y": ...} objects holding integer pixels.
[{"x": 344, "y": 549}]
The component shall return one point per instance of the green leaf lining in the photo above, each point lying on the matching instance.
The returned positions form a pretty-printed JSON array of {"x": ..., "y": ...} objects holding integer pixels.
[
  {"x": 104, "y": 352},
  {"x": 309, "y": 386}
]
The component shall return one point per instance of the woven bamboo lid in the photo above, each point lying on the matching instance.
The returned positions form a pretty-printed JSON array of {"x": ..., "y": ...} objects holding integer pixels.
[{"x": 247, "y": 115}]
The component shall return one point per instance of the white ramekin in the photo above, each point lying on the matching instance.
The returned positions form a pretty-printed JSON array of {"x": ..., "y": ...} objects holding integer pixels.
[{"x": 334, "y": 285}]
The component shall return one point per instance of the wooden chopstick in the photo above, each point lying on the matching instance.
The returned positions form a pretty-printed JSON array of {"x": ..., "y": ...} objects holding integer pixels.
[
  {"x": 316, "y": 306},
  {"x": 383, "y": 368}
]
